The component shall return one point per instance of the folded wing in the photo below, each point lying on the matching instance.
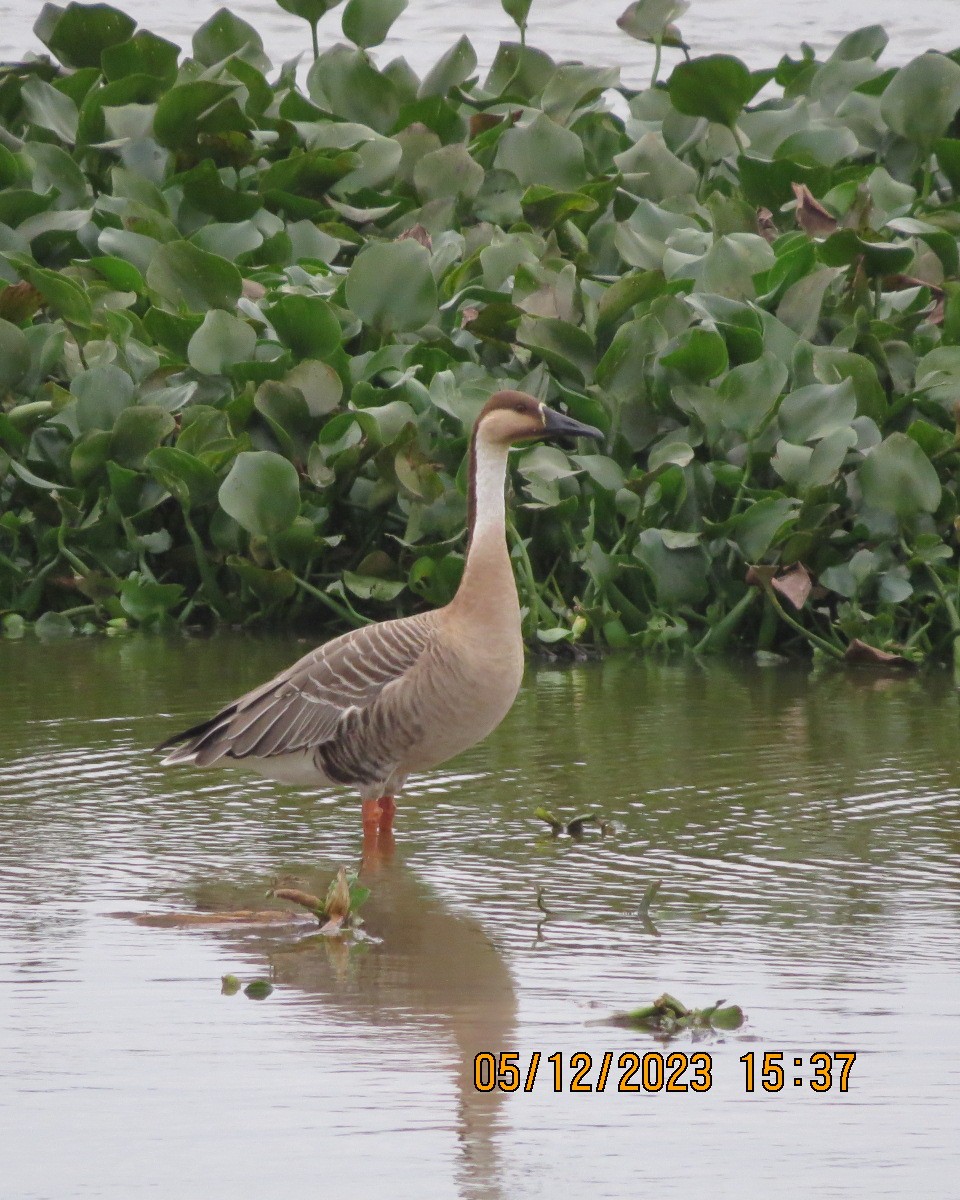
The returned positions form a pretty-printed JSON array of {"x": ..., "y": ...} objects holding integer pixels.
[{"x": 313, "y": 702}]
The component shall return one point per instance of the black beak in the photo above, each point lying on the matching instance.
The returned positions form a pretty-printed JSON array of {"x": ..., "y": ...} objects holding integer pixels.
[{"x": 558, "y": 426}]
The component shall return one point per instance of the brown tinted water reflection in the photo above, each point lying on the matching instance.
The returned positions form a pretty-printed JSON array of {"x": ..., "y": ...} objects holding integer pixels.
[{"x": 806, "y": 830}]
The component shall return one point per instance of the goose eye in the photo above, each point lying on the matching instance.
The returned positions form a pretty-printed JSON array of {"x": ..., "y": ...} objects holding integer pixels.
[{"x": 520, "y": 408}]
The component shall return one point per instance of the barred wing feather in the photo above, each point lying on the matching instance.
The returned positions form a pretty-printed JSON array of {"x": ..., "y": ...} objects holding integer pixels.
[{"x": 305, "y": 706}]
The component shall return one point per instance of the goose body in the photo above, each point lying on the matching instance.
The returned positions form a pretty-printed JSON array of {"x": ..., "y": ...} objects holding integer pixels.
[{"x": 373, "y": 705}]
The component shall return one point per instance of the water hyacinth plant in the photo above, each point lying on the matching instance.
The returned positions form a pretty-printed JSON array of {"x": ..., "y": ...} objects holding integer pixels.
[{"x": 246, "y": 321}]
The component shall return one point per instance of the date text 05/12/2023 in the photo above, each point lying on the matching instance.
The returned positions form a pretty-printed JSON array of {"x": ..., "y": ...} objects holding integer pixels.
[{"x": 654, "y": 1071}]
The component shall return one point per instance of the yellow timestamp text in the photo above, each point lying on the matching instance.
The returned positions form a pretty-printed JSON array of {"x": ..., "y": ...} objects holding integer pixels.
[{"x": 655, "y": 1071}]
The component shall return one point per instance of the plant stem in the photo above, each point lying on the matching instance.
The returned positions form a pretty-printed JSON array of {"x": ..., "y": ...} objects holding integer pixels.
[
  {"x": 215, "y": 597},
  {"x": 718, "y": 635},
  {"x": 316, "y": 43},
  {"x": 342, "y": 610},
  {"x": 539, "y": 609},
  {"x": 952, "y": 615},
  {"x": 658, "y": 46},
  {"x": 819, "y": 642}
]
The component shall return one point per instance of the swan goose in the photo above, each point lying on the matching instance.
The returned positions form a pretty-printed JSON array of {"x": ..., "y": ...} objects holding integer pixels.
[{"x": 373, "y": 705}]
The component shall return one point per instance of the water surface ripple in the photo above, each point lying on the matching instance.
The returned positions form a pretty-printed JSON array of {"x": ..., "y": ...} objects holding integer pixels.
[
  {"x": 564, "y": 28},
  {"x": 805, "y": 830}
]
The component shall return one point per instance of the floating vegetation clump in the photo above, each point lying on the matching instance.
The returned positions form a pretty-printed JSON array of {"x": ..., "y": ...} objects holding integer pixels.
[
  {"x": 256, "y": 989},
  {"x": 338, "y": 911},
  {"x": 667, "y": 1017},
  {"x": 574, "y": 827},
  {"x": 246, "y": 322}
]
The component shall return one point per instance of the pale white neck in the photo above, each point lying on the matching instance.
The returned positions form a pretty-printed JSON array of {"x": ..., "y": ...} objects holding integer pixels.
[{"x": 490, "y": 512}]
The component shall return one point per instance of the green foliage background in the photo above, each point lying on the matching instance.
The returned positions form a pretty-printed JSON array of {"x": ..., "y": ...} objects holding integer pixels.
[{"x": 245, "y": 327}]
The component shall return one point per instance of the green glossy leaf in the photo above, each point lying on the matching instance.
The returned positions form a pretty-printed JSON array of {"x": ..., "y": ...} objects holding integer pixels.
[
  {"x": 370, "y": 587},
  {"x": 187, "y": 277},
  {"x": 367, "y": 23},
  {"x": 143, "y": 54},
  {"x": 543, "y": 152},
  {"x": 261, "y": 492},
  {"x": 188, "y": 479},
  {"x": 452, "y": 69},
  {"x": 922, "y": 98},
  {"x": 306, "y": 324},
  {"x": 566, "y": 348},
  {"x": 50, "y": 109},
  {"x": 650, "y": 20},
  {"x": 79, "y": 33},
  {"x": 224, "y": 35},
  {"x": 628, "y": 291},
  {"x": 897, "y": 479},
  {"x": 195, "y": 110},
  {"x": 678, "y": 575},
  {"x": 138, "y": 430},
  {"x": 517, "y": 11},
  {"x": 220, "y": 343},
  {"x": 813, "y": 412},
  {"x": 318, "y": 383},
  {"x": 310, "y": 10},
  {"x": 716, "y": 86},
  {"x": 449, "y": 172},
  {"x": 391, "y": 287},
  {"x": 14, "y": 356},
  {"x": 348, "y": 83},
  {"x": 879, "y": 258},
  {"x": 701, "y": 355},
  {"x": 102, "y": 393},
  {"x": 148, "y": 602},
  {"x": 749, "y": 393},
  {"x": 805, "y": 467},
  {"x": 270, "y": 586},
  {"x": 758, "y": 526}
]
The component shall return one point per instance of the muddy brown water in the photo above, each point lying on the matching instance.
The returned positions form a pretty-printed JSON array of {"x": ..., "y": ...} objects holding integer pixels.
[{"x": 805, "y": 828}]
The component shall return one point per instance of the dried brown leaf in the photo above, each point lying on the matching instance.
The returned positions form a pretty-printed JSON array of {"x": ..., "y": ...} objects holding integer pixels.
[
  {"x": 18, "y": 302},
  {"x": 766, "y": 224},
  {"x": 418, "y": 234},
  {"x": 794, "y": 585},
  {"x": 295, "y": 896},
  {"x": 862, "y": 654},
  {"x": 812, "y": 217}
]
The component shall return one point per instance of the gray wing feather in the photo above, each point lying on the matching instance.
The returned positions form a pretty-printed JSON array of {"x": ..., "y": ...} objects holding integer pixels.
[{"x": 304, "y": 707}]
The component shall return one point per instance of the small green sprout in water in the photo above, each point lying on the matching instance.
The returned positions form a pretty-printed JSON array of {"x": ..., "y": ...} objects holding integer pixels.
[
  {"x": 668, "y": 1017},
  {"x": 643, "y": 909},
  {"x": 574, "y": 827},
  {"x": 258, "y": 989},
  {"x": 337, "y": 912}
]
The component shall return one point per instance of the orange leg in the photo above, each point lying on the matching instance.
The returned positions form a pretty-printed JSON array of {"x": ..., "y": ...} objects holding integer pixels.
[
  {"x": 371, "y": 817},
  {"x": 378, "y": 843},
  {"x": 388, "y": 806}
]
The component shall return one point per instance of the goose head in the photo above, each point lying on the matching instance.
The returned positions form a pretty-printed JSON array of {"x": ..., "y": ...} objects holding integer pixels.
[{"x": 510, "y": 417}]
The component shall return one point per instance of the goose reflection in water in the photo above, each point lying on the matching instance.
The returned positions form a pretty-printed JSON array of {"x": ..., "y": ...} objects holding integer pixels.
[{"x": 423, "y": 967}]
